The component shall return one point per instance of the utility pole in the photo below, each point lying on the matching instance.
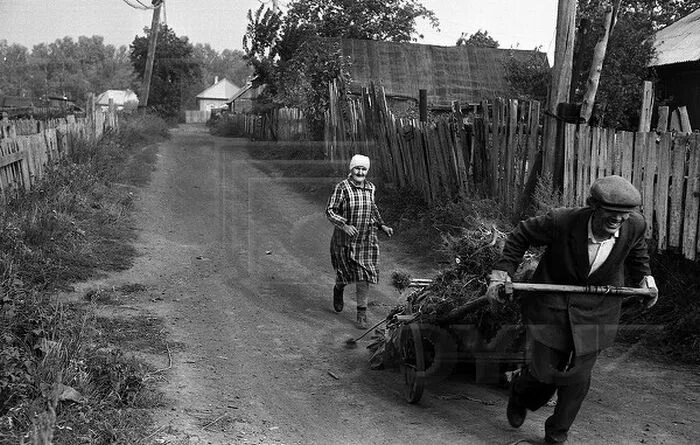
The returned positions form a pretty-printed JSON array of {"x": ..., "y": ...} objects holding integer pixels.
[
  {"x": 561, "y": 84},
  {"x": 155, "y": 26}
]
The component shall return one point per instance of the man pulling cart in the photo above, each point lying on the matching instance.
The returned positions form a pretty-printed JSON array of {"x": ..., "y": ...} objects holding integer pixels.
[{"x": 598, "y": 245}]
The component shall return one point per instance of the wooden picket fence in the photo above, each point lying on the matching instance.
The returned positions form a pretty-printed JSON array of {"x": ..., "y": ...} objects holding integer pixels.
[
  {"x": 443, "y": 160},
  {"x": 291, "y": 124},
  {"x": 282, "y": 124},
  {"x": 197, "y": 116},
  {"x": 665, "y": 167},
  {"x": 499, "y": 159},
  {"x": 507, "y": 138},
  {"x": 27, "y": 147},
  {"x": 405, "y": 152}
]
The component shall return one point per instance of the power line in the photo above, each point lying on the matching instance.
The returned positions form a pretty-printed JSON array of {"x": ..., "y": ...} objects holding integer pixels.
[
  {"x": 145, "y": 6},
  {"x": 135, "y": 6}
]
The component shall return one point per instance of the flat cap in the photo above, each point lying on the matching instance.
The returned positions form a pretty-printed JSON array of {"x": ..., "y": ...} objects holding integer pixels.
[{"x": 615, "y": 193}]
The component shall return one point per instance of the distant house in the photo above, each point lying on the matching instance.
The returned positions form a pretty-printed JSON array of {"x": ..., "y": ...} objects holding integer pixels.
[
  {"x": 217, "y": 96},
  {"x": 677, "y": 64},
  {"x": 468, "y": 74},
  {"x": 121, "y": 99},
  {"x": 243, "y": 100},
  {"x": 61, "y": 104},
  {"x": 13, "y": 105}
]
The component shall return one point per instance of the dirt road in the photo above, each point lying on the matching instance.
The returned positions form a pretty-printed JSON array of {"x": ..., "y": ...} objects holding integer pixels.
[{"x": 240, "y": 266}]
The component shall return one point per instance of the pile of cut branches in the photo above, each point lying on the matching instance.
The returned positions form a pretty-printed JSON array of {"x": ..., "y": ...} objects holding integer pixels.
[
  {"x": 465, "y": 282},
  {"x": 455, "y": 295}
]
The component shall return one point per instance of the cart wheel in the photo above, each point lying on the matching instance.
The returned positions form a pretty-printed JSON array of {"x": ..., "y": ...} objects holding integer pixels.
[{"x": 412, "y": 362}]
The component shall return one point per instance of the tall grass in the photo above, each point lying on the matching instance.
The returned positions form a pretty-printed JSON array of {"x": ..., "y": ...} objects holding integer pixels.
[{"x": 72, "y": 225}]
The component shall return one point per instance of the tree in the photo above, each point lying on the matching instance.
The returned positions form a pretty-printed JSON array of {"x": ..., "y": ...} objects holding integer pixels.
[
  {"x": 528, "y": 79},
  {"x": 176, "y": 73},
  {"x": 629, "y": 51},
  {"x": 13, "y": 69},
  {"x": 261, "y": 42},
  {"x": 296, "y": 55},
  {"x": 64, "y": 68},
  {"x": 387, "y": 20},
  {"x": 479, "y": 38},
  {"x": 303, "y": 81},
  {"x": 230, "y": 64},
  {"x": 656, "y": 13}
]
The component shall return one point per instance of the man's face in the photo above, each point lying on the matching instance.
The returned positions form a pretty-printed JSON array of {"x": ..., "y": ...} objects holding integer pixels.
[
  {"x": 358, "y": 173},
  {"x": 607, "y": 222}
]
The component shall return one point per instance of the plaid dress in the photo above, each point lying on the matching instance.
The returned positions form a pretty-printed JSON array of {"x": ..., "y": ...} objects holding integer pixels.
[{"x": 354, "y": 258}]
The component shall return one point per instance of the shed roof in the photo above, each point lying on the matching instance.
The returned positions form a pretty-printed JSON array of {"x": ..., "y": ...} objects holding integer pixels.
[
  {"x": 466, "y": 73},
  {"x": 678, "y": 42},
  {"x": 248, "y": 92},
  {"x": 15, "y": 102},
  {"x": 223, "y": 89},
  {"x": 120, "y": 97}
]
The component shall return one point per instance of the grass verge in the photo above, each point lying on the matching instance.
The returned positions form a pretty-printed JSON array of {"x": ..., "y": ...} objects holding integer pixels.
[{"x": 60, "y": 380}]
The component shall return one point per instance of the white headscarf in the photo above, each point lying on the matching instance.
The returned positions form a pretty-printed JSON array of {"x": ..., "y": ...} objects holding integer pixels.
[{"x": 359, "y": 161}]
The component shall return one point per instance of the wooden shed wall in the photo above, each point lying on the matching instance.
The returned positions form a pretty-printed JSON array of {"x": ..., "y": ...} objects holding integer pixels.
[{"x": 465, "y": 73}]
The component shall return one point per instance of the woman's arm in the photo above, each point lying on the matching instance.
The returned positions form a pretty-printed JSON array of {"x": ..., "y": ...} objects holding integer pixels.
[
  {"x": 375, "y": 211},
  {"x": 334, "y": 207}
]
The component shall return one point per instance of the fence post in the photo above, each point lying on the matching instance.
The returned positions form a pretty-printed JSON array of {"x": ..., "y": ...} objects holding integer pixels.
[
  {"x": 462, "y": 149},
  {"x": 561, "y": 78},
  {"x": 662, "y": 124},
  {"x": 423, "y": 105},
  {"x": 647, "y": 107}
]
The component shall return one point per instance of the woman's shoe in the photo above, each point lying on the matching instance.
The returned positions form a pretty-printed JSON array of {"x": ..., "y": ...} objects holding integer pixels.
[
  {"x": 338, "y": 299},
  {"x": 362, "y": 322}
]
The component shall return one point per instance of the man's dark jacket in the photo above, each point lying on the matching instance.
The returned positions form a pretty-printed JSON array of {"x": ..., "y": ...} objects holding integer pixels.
[{"x": 585, "y": 323}]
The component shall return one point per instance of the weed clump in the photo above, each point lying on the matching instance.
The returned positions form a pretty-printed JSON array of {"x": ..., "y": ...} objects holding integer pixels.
[{"x": 74, "y": 223}]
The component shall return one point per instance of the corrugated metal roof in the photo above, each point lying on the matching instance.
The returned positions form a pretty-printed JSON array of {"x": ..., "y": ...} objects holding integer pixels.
[
  {"x": 678, "y": 42},
  {"x": 223, "y": 89},
  {"x": 465, "y": 73}
]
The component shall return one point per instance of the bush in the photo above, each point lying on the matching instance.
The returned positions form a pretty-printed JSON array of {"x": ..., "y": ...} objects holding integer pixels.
[
  {"x": 225, "y": 125},
  {"x": 677, "y": 311}
]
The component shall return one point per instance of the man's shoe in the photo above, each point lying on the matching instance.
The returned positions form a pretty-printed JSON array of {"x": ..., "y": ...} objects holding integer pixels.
[
  {"x": 362, "y": 318},
  {"x": 338, "y": 299},
  {"x": 515, "y": 412},
  {"x": 552, "y": 439},
  {"x": 558, "y": 437}
]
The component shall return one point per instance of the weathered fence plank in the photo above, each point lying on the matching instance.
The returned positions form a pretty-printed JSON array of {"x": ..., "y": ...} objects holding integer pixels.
[
  {"x": 569, "y": 163},
  {"x": 678, "y": 165},
  {"x": 626, "y": 154},
  {"x": 662, "y": 123},
  {"x": 647, "y": 189},
  {"x": 692, "y": 201},
  {"x": 661, "y": 199}
]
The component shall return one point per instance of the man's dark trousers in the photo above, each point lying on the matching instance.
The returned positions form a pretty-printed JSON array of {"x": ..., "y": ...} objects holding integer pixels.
[{"x": 551, "y": 371}]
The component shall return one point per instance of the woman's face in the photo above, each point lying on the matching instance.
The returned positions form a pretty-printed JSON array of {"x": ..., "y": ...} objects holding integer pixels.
[{"x": 358, "y": 173}]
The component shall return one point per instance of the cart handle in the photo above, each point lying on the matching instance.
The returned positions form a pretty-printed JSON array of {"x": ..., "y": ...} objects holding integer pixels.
[
  {"x": 629, "y": 292},
  {"x": 570, "y": 288},
  {"x": 565, "y": 288}
]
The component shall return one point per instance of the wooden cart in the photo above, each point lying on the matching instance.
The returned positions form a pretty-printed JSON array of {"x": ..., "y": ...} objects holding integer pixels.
[{"x": 430, "y": 350}]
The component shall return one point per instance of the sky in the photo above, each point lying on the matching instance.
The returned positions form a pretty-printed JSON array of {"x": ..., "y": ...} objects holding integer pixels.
[{"x": 221, "y": 23}]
